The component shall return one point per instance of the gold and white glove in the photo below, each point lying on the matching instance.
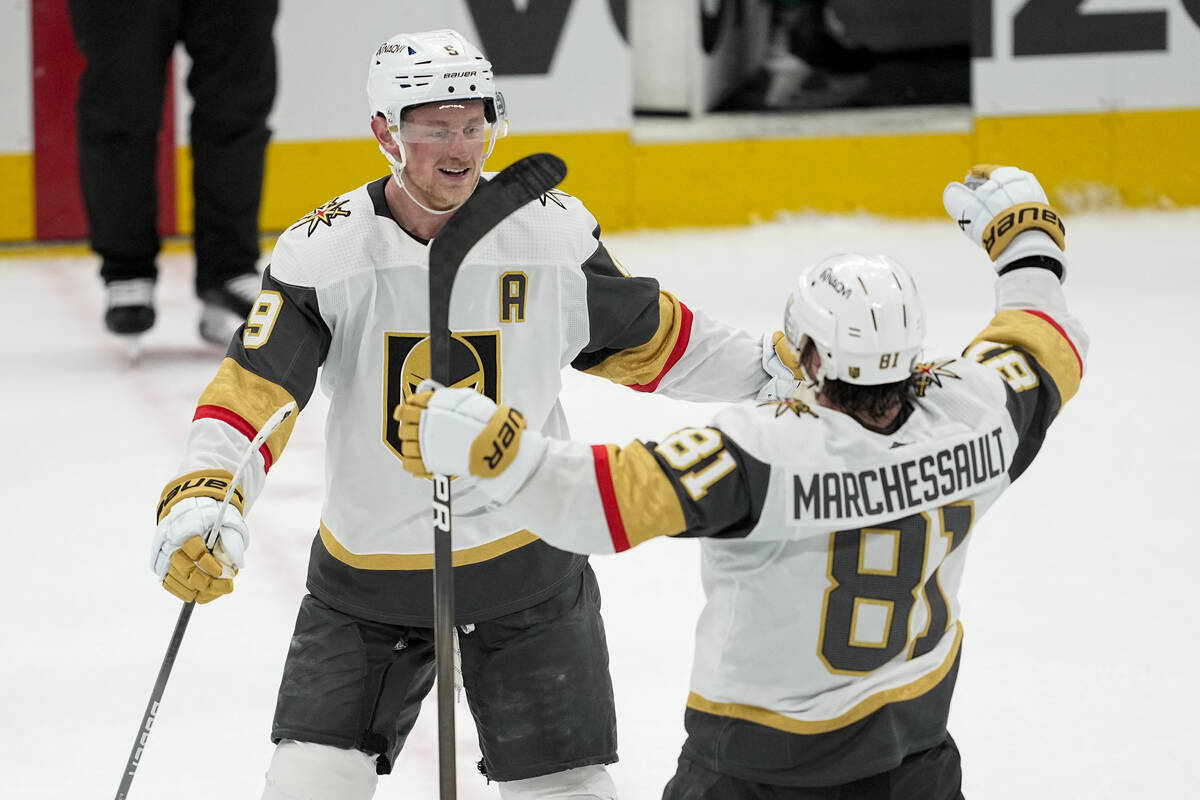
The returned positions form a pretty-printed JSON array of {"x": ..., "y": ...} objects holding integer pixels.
[
  {"x": 1004, "y": 210},
  {"x": 782, "y": 363},
  {"x": 179, "y": 557},
  {"x": 461, "y": 432}
]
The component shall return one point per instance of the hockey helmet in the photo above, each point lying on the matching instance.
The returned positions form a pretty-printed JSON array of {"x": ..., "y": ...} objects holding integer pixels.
[
  {"x": 864, "y": 315},
  {"x": 411, "y": 69}
]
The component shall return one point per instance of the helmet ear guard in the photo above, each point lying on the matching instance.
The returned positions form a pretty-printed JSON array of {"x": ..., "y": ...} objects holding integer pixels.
[{"x": 863, "y": 314}]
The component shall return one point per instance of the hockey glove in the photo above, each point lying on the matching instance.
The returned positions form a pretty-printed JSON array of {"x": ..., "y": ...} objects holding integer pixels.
[
  {"x": 461, "y": 432},
  {"x": 1004, "y": 210},
  {"x": 783, "y": 365},
  {"x": 178, "y": 556}
]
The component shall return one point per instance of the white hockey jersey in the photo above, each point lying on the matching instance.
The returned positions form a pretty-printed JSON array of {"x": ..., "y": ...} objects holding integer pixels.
[
  {"x": 346, "y": 294},
  {"x": 832, "y": 554}
]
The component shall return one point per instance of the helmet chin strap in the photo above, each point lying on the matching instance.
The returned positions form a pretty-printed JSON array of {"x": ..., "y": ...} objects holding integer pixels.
[{"x": 397, "y": 172}]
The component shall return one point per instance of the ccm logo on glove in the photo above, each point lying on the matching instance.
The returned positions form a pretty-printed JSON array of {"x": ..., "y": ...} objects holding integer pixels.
[{"x": 1018, "y": 219}]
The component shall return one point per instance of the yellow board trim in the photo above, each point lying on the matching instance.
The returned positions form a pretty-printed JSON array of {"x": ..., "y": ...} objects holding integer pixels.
[
  {"x": 16, "y": 197},
  {"x": 253, "y": 398},
  {"x": 1082, "y": 160},
  {"x": 772, "y": 719},
  {"x": 1040, "y": 339},
  {"x": 416, "y": 561}
]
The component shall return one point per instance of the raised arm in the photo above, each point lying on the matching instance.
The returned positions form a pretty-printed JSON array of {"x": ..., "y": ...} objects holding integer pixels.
[{"x": 1033, "y": 342}]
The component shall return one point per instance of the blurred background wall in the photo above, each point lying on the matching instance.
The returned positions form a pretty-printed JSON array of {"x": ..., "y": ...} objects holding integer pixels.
[{"x": 663, "y": 108}]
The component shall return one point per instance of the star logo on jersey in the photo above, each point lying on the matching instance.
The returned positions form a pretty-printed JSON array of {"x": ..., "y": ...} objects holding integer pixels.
[
  {"x": 553, "y": 196},
  {"x": 323, "y": 215},
  {"x": 931, "y": 374},
  {"x": 793, "y": 404}
]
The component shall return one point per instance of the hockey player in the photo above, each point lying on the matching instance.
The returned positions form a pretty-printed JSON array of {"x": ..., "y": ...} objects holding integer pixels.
[
  {"x": 347, "y": 293},
  {"x": 835, "y": 523}
]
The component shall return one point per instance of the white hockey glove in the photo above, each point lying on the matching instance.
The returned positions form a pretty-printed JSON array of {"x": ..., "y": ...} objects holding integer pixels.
[
  {"x": 178, "y": 556},
  {"x": 461, "y": 432},
  {"x": 783, "y": 365},
  {"x": 1004, "y": 210}
]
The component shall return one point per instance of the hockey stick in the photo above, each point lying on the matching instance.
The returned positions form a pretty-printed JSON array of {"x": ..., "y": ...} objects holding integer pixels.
[
  {"x": 185, "y": 613},
  {"x": 519, "y": 184}
]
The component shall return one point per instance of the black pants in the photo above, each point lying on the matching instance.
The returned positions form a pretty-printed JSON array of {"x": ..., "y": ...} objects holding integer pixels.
[
  {"x": 933, "y": 774},
  {"x": 536, "y": 682},
  {"x": 127, "y": 46}
]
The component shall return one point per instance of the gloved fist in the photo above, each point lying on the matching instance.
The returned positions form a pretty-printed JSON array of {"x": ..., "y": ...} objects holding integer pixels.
[
  {"x": 783, "y": 365},
  {"x": 178, "y": 556},
  {"x": 1004, "y": 210},
  {"x": 462, "y": 432}
]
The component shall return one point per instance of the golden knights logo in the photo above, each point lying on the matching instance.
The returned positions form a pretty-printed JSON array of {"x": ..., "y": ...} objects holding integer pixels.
[
  {"x": 323, "y": 214},
  {"x": 930, "y": 374},
  {"x": 554, "y": 196},
  {"x": 794, "y": 404},
  {"x": 474, "y": 364}
]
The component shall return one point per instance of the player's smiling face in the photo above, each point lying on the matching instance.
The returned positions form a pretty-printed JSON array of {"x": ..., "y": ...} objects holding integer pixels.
[{"x": 444, "y": 145}]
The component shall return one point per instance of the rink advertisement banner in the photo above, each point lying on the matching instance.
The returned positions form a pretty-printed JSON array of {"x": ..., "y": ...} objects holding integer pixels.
[
  {"x": 1076, "y": 90},
  {"x": 562, "y": 66},
  {"x": 1068, "y": 56}
]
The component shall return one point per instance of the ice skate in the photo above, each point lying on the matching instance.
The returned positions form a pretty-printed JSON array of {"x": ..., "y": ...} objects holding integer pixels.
[
  {"x": 129, "y": 312},
  {"x": 226, "y": 307}
]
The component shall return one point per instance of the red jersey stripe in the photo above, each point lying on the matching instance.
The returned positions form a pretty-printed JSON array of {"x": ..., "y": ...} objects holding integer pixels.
[
  {"x": 608, "y": 497},
  {"x": 681, "y": 343},
  {"x": 237, "y": 423},
  {"x": 1043, "y": 316}
]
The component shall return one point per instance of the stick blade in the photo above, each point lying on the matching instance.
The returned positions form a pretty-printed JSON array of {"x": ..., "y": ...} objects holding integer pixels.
[
  {"x": 511, "y": 189},
  {"x": 520, "y": 183}
]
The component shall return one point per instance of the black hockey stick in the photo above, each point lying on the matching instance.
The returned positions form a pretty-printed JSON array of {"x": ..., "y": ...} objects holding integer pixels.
[
  {"x": 185, "y": 613},
  {"x": 519, "y": 184}
]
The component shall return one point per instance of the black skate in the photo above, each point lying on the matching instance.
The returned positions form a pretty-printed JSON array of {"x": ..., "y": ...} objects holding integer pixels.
[{"x": 227, "y": 306}]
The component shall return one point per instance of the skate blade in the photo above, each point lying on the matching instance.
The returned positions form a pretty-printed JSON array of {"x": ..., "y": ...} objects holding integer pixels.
[
  {"x": 135, "y": 347},
  {"x": 219, "y": 325}
]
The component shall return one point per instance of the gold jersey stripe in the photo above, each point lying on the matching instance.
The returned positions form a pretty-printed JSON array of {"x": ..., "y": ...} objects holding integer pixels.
[
  {"x": 641, "y": 365},
  {"x": 645, "y": 497},
  {"x": 781, "y": 722},
  {"x": 394, "y": 561},
  {"x": 1041, "y": 337},
  {"x": 252, "y": 398}
]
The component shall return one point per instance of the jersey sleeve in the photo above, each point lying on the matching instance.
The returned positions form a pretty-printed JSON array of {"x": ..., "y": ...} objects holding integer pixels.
[
  {"x": 647, "y": 339},
  {"x": 1039, "y": 350},
  {"x": 271, "y": 361},
  {"x": 607, "y": 499}
]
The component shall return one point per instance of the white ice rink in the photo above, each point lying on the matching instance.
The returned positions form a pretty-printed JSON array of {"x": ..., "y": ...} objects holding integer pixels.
[{"x": 1078, "y": 677}]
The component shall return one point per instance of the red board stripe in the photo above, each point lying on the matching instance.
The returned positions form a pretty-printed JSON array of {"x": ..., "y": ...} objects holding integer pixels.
[
  {"x": 608, "y": 498},
  {"x": 237, "y": 423},
  {"x": 57, "y": 65}
]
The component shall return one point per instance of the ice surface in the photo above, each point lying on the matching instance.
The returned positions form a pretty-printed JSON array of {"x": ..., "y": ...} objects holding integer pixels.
[{"x": 1079, "y": 598}]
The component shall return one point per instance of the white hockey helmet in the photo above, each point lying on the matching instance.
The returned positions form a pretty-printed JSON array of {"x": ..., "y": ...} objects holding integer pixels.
[
  {"x": 864, "y": 315},
  {"x": 411, "y": 69}
]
